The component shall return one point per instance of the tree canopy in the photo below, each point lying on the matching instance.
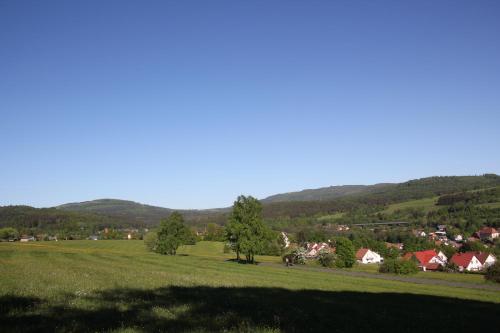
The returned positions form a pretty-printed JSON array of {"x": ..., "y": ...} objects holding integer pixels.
[
  {"x": 172, "y": 234},
  {"x": 246, "y": 231}
]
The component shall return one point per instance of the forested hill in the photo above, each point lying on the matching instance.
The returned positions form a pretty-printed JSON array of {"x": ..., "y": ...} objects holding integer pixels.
[
  {"x": 413, "y": 189},
  {"x": 123, "y": 209},
  {"x": 325, "y": 193},
  {"x": 135, "y": 212},
  {"x": 54, "y": 220},
  {"x": 121, "y": 213}
]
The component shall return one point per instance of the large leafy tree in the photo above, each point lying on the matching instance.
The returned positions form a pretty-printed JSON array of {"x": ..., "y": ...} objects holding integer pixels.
[
  {"x": 246, "y": 231},
  {"x": 8, "y": 233},
  {"x": 172, "y": 234},
  {"x": 345, "y": 252}
]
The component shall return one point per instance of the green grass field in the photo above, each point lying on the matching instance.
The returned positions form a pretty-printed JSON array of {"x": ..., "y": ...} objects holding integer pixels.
[
  {"x": 116, "y": 286},
  {"x": 428, "y": 204}
]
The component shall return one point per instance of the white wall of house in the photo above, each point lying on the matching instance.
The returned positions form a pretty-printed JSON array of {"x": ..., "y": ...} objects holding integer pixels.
[
  {"x": 442, "y": 257},
  {"x": 371, "y": 257},
  {"x": 489, "y": 261},
  {"x": 474, "y": 265}
]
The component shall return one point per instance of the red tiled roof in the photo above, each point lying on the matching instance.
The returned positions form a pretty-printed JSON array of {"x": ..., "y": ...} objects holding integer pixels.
[
  {"x": 361, "y": 253},
  {"x": 462, "y": 259},
  {"x": 488, "y": 230},
  {"x": 482, "y": 256},
  {"x": 423, "y": 257},
  {"x": 432, "y": 267}
]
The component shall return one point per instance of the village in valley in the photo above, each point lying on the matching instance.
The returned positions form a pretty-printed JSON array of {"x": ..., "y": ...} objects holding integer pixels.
[
  {"x": 432, "y": 259},
  {"x": 249, "y": 166}
]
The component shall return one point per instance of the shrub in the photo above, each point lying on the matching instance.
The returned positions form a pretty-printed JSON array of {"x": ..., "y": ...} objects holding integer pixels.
[
  {"x": 151, "y": 241},
  {"x": 299, "y": 256},
  {"x": 326, "y": 259},
  {"x": 398, "y": 266},
  {"x": 227, "y": 248},
  {"x": 493, "y": 272},
  {"x": 451, "y": 267}
]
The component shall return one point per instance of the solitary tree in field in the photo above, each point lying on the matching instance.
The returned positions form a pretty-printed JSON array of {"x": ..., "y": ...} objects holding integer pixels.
[
  {"x": 171, "y": 235},
  {"x": 245, "y": 230},
  {"x": 345, "y": 252}
]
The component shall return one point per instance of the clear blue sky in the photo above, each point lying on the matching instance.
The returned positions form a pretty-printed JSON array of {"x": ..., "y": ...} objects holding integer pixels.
[{"x": 186, "y": 104}]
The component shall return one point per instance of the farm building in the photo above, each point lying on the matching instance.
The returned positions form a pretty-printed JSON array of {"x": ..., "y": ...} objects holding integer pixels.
[{"x": 367, "y": 256}]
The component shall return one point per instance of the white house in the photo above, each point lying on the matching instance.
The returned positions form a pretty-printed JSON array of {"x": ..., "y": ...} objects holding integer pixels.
[
  {"x": 428, "y": 260},
  {"x": 473, "y": 261},
  {"x": 367, "y": 256},
  {"x": 467, "y": 261},
  {"x": 486, "y": 259}
]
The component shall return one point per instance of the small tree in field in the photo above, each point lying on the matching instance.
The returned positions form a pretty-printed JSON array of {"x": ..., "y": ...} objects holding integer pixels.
[
  {"x": 172, "y": 234},
  {"x": 246, "y": 231},
  {"x": 344, "y": 250},
  {"x": 493, "y": 272}
]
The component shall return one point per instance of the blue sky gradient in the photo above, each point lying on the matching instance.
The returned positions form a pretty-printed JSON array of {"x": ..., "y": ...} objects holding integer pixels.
[{"x": 187, "y": 104}]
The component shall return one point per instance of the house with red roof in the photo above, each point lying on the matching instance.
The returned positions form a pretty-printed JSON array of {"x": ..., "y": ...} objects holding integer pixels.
[
  {"x": 467, "y": 261},
  {"x": 367, "y": 256},
  {"x": 488, "y": 233},
  {"x": 473, "y": 261},
  {"x": 427, "y": 260},
  {"x": 486, "y": 259}
]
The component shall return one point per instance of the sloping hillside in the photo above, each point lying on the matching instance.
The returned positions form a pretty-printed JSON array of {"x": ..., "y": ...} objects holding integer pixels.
[
  {"x": 125, "y": 209},
  {"x": 327, "y": 200},
  {"x": 136, "y": 212},
  {"x": 325, "y": 193},
  {"x": 413, "y": 189},
  {"x": 379, "y": 195}
]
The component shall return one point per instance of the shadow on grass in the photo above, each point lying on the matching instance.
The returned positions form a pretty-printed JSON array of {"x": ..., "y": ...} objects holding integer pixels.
[
  {"x": 180, "y": 309},
  {"x": 242, "y": 261}
]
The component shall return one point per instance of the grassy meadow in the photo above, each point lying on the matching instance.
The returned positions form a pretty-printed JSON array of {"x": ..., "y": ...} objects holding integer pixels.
[
  {"x": 117, "y": 286},
  {"x": 427, "y": 204}
]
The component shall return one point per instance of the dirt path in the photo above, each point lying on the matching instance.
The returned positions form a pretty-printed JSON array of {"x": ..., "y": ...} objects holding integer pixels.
[{"x": 391, "y": 277}]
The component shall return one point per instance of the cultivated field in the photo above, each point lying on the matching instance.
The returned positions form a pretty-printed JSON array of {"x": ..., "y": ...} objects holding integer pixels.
[{"x": 88, "y": 286}]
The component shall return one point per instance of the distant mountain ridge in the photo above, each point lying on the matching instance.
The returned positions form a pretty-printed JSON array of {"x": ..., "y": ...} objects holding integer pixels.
[
  {"x": 134, "y": 211},
  {"x": 306, "y": 202},
  {"x": 413, "y": 189},
  {"x": 325, "y": 193}
]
